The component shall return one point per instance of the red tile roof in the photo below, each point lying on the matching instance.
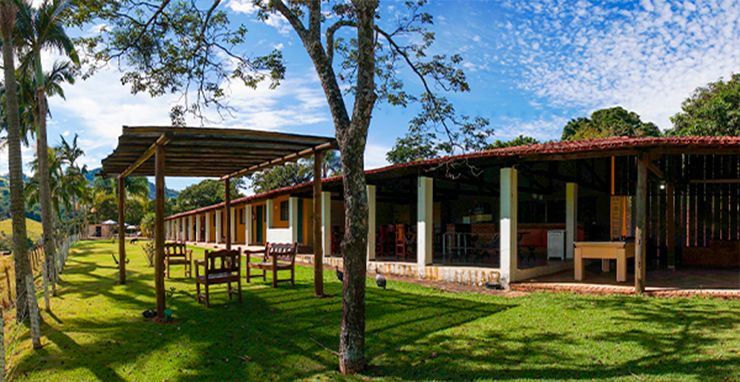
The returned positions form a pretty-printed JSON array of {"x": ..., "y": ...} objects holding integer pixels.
[{"x": 551, "y": 148}]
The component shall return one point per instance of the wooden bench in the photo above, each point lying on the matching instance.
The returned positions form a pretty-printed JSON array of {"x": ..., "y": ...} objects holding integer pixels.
[
  {"x": 178, "y": 254},
  {"x": 275, "y": 257},
  {"x": 219, "y": 267}
]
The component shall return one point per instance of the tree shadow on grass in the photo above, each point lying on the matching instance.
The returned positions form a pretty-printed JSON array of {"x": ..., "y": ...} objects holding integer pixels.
[
  {"x": 670, "y": 337},
  {"x": 413, "y": 333},
  {"x": 283, "y": 333}
]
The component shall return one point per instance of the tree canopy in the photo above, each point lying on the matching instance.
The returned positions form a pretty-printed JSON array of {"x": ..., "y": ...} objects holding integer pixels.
[
  {"x": 291, "y": 174},
  {"x": 205, "y": 193},
  {"x": 609, "y": 122},
  {"x": 519, "y": 140},
  {"x": 711, "y": 110}
]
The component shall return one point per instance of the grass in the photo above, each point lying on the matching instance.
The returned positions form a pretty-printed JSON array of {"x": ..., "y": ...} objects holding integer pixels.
[
  {"x": 33, "y": 229},
  {"x": 96, "y": 332}
]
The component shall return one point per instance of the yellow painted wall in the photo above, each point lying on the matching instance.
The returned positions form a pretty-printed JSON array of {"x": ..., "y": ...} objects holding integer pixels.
[
  {"x": 276, "y": 221},
  {"x": 239, "y": 216}
]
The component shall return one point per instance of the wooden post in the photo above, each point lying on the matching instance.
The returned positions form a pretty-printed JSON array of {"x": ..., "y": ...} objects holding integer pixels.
[
  {"x": 671, "y": 225},
  {"x": 318, "y": 252},
  {"x": 640, "y": 227},
  {"x": 121, "y": 231},
  {"x": 159, "y": 231},
  {"x": 227, "y": 214}
]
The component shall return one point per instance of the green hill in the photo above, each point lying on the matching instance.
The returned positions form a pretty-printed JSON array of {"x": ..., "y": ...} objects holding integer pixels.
[{"x": 33, "y": 228}]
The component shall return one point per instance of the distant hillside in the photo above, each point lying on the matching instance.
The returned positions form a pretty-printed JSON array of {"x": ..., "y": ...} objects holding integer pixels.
[
  {"x": 169, "y": 193},
  {"x": 33, "y": 228},
  {"x": 5, "y": 200}
]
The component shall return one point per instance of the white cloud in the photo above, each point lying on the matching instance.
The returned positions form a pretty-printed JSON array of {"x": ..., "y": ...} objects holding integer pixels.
[
  {"x": 543, "y": 129},
  {"x": 375, "y": 156},
  {"x": 647, "y": 58},
  {"x": 274, "y": 20}
]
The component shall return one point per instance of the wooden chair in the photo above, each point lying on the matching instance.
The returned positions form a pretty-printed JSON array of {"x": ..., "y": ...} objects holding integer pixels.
[
  {"x": 401, "y": 241},
  {"x": 219, "y": 267},
  {"x": 275, "y": 257},
  {"x": 178, "y": 254}
]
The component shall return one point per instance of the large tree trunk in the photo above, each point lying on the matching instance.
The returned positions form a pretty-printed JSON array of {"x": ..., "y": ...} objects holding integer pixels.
[
  {"x": 354, "y": 246},
  {"x": 17, "y": 206},
  {"x": 42, "y": 153}
]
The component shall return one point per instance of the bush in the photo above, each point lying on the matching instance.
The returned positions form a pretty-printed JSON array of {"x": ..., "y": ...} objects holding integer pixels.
[{"x": 147, "y": 225}]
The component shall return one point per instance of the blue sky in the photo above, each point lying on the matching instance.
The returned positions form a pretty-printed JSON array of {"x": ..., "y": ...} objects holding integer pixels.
[{"x": 532, "y": 66}]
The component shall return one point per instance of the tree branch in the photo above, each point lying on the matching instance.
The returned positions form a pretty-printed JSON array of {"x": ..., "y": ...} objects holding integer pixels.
[{"x": 330, "y": 37}]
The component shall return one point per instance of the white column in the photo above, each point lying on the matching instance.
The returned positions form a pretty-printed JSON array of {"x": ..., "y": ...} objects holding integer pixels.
[
  {"x": 233, "y": 224},
  {"x": 191, "y": 229},
  {"x": 247, "y": 224},
  {"x": 208, "y": 227},
  {"x": 508, "y": 225},
  {"x": 293, "y": 218},
  {"x": 268, "y": 213},
  {"x": 218, "y": 214},
  {"x": 326, "y": 222},
  {"x": 180, "y": 228},
  {"x": 197, "y": 228},
  {"x": 571, "y": 218},
  {"x": 424, "y": 223},
  {"x": 371, "y": 222}
]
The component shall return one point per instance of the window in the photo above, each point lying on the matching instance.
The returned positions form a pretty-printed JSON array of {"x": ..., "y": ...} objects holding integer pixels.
[
  {"x": 284, "y": 211},
  {"x": 241, "y": 216}
]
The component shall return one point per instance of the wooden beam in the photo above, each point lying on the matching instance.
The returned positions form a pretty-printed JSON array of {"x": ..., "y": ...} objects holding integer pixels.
[
  {"x": 715, "y": 181},
  {"x": 159, "y": 230},
  {"x": 281, "y": 160},
  {"x": 121, "y": 231},
  {"x": 641, "y": 223},
  {"x": 655, "y": 169},
  {"x": 670, "y": 222},
  {"x": 227, "y": 212},
  {"x": 318, "y": 252},
  {"x": 161, "y": 141}
]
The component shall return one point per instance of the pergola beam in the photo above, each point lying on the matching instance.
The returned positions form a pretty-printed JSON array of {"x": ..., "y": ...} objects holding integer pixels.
[
  {"x": 318, "y": 252},
  {"x": 161, "y": 141},
  {"x": 278, "y": 161},
  {"x": 121, "y": 230},
  {"x": 159, "y": 230}
]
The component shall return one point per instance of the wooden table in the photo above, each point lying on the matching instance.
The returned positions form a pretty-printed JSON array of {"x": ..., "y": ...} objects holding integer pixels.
[{"x": 605, "y": 251}]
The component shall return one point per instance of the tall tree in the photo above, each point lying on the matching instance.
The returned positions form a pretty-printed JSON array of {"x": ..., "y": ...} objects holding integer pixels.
[
  {"x": 291, "y": 174},
  {"x": 205, "y": 193},
  {"x": 40, "y": 29},
  {"x": 22, "y": 263},
  {"x": 182, "y": 46},
  {"x": 711, "y": 110},
  {"x": 610, "y": 122}
]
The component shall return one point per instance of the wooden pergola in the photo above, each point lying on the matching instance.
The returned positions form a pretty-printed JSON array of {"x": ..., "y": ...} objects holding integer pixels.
[{"x": 162, "y": 151}]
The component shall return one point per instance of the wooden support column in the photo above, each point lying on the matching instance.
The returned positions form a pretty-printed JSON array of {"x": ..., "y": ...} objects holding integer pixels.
[
  {"x": 641, "y": 223},
  {"x": 670, "y": 222},
  {"x": 159, "y": 230},
  {"x": 227, "y": 211},
  {"x": 571, "y": 219},
  {"x": 121, "y": 231},
  {"x": 318, "y": 252}
]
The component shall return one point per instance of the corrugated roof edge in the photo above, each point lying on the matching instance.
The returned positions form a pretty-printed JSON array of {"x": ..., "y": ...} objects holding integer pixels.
[{"x": 552, "y": 148}]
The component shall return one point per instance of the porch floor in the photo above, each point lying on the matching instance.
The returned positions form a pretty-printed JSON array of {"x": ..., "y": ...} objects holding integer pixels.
[{"x": 662, "y": 282}]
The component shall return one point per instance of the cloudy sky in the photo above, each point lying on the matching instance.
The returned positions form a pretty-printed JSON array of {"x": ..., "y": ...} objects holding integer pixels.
[{"x": 532, "y": 66}]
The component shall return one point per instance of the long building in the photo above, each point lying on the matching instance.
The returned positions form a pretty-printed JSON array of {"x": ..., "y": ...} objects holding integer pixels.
[{"x": 514, "y": 213}]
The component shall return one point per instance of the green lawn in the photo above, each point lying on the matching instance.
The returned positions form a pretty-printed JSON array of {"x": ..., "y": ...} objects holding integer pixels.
[
  {"x": 413, "y": 333},
  {"x": 33, "y": 228}
]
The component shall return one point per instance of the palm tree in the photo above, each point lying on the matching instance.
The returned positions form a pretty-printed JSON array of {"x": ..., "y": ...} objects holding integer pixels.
[
  {"x": 38, "y": 29},
  {"x": 20, "y": 251}
]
